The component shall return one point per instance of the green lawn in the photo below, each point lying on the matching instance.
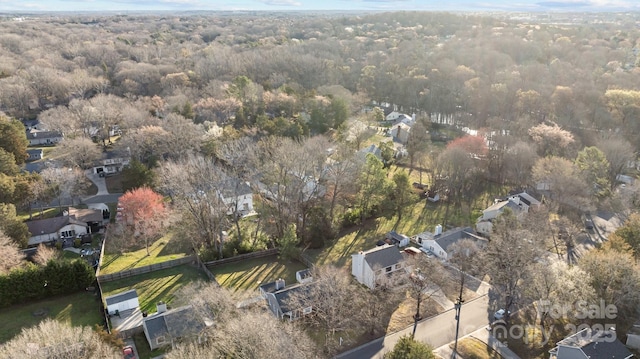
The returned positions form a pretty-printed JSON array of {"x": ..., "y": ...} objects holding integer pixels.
[
  {"x": 164, "y": 249},
  {"x": 80, "y": 309},
  {"x": 250, "y": 274},
  {"x": 155, "y": 286}
]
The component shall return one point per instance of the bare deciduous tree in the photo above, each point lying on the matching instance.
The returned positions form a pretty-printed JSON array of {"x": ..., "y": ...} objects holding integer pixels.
[
  {"x": 10, "y": 254},
  {"x": 44, "y": 254},
  {"x": 57, "y": 340},
  {"x": 240, "y": 332},
  {"x": 77, "y": 152},
  {"x": 195, "y": 186},
  {"x": 330, "y": 297}
]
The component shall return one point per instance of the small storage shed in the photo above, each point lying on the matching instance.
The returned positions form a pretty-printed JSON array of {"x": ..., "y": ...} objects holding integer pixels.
[{"x": 122, "y": 302}]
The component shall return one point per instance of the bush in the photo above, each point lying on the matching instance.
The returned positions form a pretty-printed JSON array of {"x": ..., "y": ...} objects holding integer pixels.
[
  {"x": 351, "y": 217},
  {"x": 36, "y": 282},
  {"x": 77, "y": 242}
]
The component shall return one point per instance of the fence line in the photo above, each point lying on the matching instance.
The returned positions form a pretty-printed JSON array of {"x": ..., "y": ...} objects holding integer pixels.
[
  {"x": 241, "y": 257},
  {"x": 306, "y": 260},
  {"x": 146, "y": 269}
]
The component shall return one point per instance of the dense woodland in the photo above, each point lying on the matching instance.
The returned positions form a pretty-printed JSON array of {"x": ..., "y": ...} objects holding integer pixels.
[{"x": 206, "y": 103}]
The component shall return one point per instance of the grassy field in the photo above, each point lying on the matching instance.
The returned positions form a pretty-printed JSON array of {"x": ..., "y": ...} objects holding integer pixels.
[
  {"x": 472, "y": 348},
  {"x": 155, "y": 286},
  {"x": 166, "y": 248},
  {"x": 80, "y": 309},
  {"x": 250, "y": 274}
]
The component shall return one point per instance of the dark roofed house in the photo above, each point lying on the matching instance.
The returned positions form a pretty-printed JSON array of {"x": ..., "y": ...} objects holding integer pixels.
[
  {"x": 34, "y": 154},
  {"x": 167, "y": 327},
  {"x": 368, "y": 266},
  {"x": 277, "y": 296},
  {"x": 588, "y": 343}
]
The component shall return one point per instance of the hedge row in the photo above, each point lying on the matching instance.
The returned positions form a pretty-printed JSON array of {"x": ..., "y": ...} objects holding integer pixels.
[{"x": 37, "y": 282}]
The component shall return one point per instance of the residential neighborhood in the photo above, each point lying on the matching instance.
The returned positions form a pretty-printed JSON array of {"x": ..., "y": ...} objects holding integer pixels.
[{"x": 237, "y": 183}]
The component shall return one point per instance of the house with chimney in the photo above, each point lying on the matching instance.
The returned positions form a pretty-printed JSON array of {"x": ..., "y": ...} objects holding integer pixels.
[
  {"x": 277, "y": 296},
  {"x": 368, "y": 267},
  {"x": 439, "y": 243},
  {"x": 167, "y": 327}
]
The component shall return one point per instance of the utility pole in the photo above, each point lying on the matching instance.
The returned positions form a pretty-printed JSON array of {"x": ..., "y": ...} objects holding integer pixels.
[
  {"x": 458, "y": 307},
  {"x": 417, "y": 276}
]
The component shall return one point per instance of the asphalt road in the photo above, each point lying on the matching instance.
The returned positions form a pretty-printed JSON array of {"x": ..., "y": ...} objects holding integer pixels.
[{"x": 436, "y": 331}]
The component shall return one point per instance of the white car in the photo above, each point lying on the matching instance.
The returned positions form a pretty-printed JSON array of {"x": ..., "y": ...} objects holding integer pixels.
[{"x": 500, "y": 314}]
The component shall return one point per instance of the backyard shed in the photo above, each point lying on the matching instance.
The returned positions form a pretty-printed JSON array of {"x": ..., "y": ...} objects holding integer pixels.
[{"x": 121, "y": 302}]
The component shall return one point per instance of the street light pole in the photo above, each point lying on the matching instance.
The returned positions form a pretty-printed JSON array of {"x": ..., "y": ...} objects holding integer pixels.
[{"x": 458, "y": 307}]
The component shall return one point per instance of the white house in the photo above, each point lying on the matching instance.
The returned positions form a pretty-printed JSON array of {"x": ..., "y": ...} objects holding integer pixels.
[
  {"x": 588, "y": 343},
  {"x": 56, "y": 228},
  {"x": 519, "y": 204},
  {"x": 400, "y": 132},
  {"x": 122, "y": 302},
  {"x": 397, "y": 239},
  {"x": 484, "y": 224},
  {"x": 111, "y": 164},
  {"x": 440, "y": 243},
  {"x": 392, "y": 116},
  {"x": 237, "y": 196},
  {"x": 46, "y": 138},
  {"x": 369, "y": 266}
]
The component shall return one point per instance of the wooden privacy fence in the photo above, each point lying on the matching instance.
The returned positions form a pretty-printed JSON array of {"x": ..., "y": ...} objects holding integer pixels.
[
  {"x": 146, "y": 269},
  {"x": 241, "y": 257}
]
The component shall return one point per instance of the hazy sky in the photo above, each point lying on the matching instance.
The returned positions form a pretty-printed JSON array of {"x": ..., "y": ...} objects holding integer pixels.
[{"x": 471, "y": 5}]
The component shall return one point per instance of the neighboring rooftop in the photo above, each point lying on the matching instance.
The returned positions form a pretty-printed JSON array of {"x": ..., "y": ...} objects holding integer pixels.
[
  {"x": 383, "y": 256},
  {"x": 601, "y": 344},
  {"x": 121, "y": 297}
]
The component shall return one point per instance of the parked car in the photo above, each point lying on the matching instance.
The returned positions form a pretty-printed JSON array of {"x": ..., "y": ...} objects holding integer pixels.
[
  {"x": 128, "y": 352},
  {"x": 500, "y": 314},
  {"x": 588, "y": 224}
]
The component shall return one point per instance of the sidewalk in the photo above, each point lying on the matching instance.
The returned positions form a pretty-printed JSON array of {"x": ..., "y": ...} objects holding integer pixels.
[{"x": 484, "y": 336}]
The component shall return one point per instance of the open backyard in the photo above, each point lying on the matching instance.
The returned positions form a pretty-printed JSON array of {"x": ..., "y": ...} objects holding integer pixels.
[
  {"x": 155, "y": 286},
  {"x": 166, "y": 248},
  {"x": 79, "y": 309},
  {"x": 250, "y": 274}
]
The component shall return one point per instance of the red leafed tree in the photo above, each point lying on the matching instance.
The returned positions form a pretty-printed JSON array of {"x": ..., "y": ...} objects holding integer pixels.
[
  {"x": 474, "y": 145},
  {"x": 142, "y": 213}
]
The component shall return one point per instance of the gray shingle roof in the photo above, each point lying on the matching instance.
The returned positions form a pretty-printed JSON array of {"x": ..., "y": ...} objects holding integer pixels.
[
  {"x": 382, "y": 257},
  {"x": 156, "y": 327},
  {"x": 49, "y": 225},
  {"x": 182, "y": 322},
  {"x": 597, "y": 344},
  {"x": 283, "y": 295},
  {"x": 121, "y": 297},
  {"x": 450, "y": 237}
]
